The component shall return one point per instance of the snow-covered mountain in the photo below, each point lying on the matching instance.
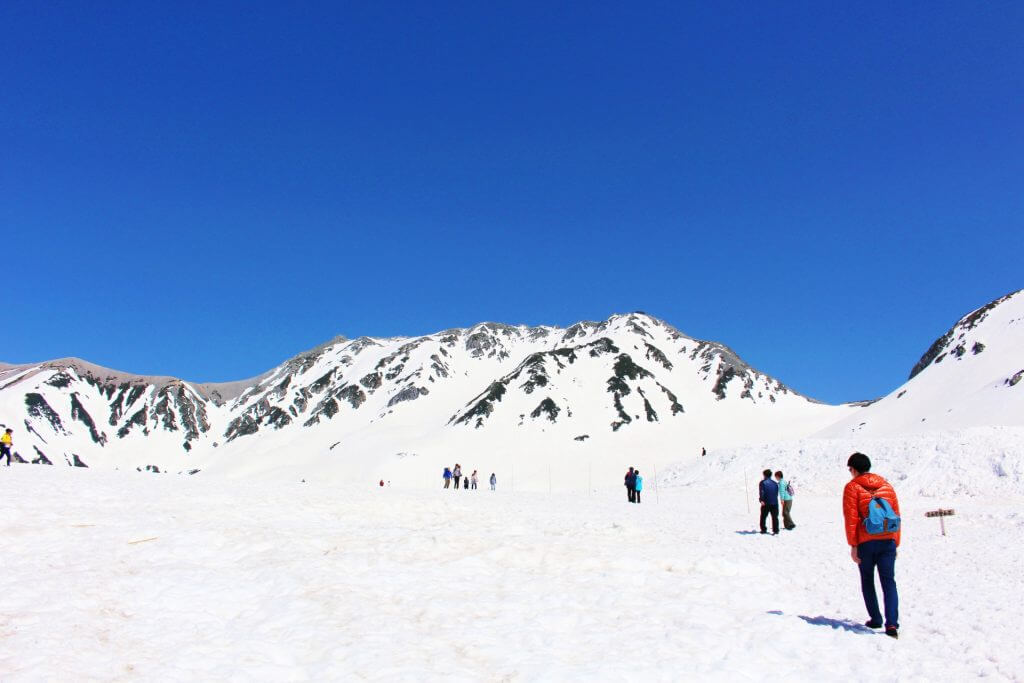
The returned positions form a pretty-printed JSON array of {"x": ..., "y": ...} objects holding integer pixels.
[
  {"x": 546, "y": 402},
  {"x": 589, "y": 390},
  {"x": 969, "y": 377}
]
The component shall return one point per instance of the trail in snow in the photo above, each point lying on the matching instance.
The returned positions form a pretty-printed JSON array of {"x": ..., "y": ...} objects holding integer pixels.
[{"x": 236, "y": 580}]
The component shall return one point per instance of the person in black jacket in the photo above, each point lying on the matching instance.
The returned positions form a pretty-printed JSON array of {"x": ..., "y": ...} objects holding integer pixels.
[
  {"x": 631, "y": 485},
  {"x": 768, "y": 494}
]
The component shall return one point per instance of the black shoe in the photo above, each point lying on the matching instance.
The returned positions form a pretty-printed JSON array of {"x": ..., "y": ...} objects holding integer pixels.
[
  {"x": 892, "y": 632},
  {"x": 775, "y": 533},
  {"x": 871, "y": 623},
  {"x": 764, "y": 532}
]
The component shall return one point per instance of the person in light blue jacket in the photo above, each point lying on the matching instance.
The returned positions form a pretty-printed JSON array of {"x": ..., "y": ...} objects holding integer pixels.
[
  {"x": 639, "y": 486},
  {"x": 786, "y": 494}
]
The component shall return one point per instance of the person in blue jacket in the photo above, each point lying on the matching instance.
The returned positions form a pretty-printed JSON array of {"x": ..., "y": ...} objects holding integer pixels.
[
  {"x": 447, "y": 477},
  {"x": 768, "y": 494},
  {"x": 639, "y": 486}
]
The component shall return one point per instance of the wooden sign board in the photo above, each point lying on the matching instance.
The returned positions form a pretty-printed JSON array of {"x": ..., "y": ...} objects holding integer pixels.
[{"x": 940, "y": 513}]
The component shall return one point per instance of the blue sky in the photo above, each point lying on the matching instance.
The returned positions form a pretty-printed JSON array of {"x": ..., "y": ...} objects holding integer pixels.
[{"x": 204, "y": 192}]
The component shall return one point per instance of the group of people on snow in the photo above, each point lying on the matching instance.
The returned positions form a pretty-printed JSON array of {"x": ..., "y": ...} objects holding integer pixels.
[
  {"x": 634, "y": 485},
  {"x": 769, "y": 492},
  {"x": 871, "y": 518},
  {"x": 468, "y": 482}
]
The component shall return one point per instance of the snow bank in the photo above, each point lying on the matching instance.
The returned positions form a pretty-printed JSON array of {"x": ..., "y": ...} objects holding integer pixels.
[{"x": 980, "y": 462}]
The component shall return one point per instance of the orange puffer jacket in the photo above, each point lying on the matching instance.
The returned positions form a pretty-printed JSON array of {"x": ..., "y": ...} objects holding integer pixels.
[{"x": 856, "y": 497}]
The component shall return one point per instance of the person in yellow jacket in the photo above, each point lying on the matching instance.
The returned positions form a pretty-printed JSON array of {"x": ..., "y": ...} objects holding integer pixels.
[{"x": 6, "y": 441}]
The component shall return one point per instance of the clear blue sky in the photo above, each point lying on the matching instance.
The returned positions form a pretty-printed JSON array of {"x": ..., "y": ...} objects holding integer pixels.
[{"x": 204, "y": 192}]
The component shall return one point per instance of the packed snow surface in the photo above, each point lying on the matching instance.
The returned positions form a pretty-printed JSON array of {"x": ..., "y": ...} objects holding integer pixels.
[{"x": 135, "y": 576}]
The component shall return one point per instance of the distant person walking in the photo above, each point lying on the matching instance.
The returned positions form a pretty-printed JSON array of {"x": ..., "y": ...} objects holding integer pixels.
[
  {"x": 703, "y": 452},
  {"x": 768, "y": 494},
  {"x": 465, "y": 483},
  {"x": 638, "y": 486},
  {"x": 457, "y": 474},
  {"x": 473, "y": 480},
  {"x": 6, "y": 442},
  {"x": 494, "y": 481},
  {"x": 630, "y": 482},
  {"x": 786, "y": 494},
  {"x": 873, "y": 534},
  {"x": 447, "y": 477}
]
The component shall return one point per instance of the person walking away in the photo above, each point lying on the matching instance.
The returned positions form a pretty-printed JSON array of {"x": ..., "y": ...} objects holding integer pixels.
[
  {"x": 786, "y": 494},
  {"x": 473, "y": 479},
  {"x": 447, "y": 477},
  {"x": 703, "y": 452},
  {"x": 494, "y": 481},
  {"x": 465, "y": 483},
  {"x": 6, "y": 443},
  {"x": 631, "y": 486},
  {"x": 768, "y": 494},
  {"x": 864, "y": 501},
  {"x": 457, "y": 474},
  {"x": 639, "y": 486}
]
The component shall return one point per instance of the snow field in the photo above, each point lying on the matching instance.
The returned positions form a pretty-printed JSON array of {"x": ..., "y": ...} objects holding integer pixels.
[{"x": 249, "y": 580}]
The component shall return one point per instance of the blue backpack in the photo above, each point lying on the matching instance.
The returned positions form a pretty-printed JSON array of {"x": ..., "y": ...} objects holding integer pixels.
[{"x": 881, "y": 518}]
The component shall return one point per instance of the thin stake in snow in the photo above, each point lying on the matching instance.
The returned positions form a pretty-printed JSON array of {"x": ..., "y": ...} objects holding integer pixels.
[
  {"x": 941, "y": 514},
  {"x": 657, "y": 497},
  {"x": 143, "y": 540}
]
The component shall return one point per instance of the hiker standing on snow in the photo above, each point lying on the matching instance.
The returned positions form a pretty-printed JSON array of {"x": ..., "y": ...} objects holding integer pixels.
[
  {"x": 494, "y": 481},
  {"x": 457, "y": 474},
  {"x": 630, "y": 485},
  {"x": 768, "y": 494},
  {"x": 870, "y": 545},
  {"x": 638, "y": 485},
  {"x": 786, "y": 494},
  {"x": 6, "y": 442},
  {"x": 473, "y": 480},
  {"x": 447, "y": 477}
]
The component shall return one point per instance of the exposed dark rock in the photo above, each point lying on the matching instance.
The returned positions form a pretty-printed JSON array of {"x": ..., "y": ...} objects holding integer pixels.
[
  {"x": 59, "y": 380},
  {"x": 149, "y": 468},
  {"x": 41, "y": 458},
  {"x": 977, "y": 348},
  {"x": 547, "y": 407},
  {"x": 190, "y": 472},
  {"x": 16, "y": 457},
  {"x": 241, "y": 426},
  {"x": 674, "y": 403},
  {"x": 653, "y": 352},
  {"x": 581, "y": 437},
  {"x": 76, "y": 461},
  {"x": 482, "y": 405},
  {"x": 79, "y": 413},
  {"x": 38, "y": 407},
  {"x": 353, "y": 394},
  {"x": 371, "y": 381},
  {"x": 409, "y": 393},
  {"x": 1012, "y": 381},
  {"x": 322, "y": 382}
]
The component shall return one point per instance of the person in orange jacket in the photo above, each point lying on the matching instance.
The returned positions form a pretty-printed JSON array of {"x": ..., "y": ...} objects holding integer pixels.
[{"x": 872, "y": 550}]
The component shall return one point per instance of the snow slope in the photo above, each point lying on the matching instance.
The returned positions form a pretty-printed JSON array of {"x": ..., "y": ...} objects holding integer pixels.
[
  {"x": 127, "y": 576},
  {"x": 971, "y": 376}
]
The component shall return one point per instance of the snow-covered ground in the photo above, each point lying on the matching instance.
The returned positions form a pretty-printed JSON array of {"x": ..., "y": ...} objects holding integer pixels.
[{"x": 132, "y": 576}]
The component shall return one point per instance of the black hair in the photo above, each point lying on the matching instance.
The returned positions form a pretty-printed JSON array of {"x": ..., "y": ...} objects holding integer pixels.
[
  {"x": 767, "y": 473},
  {"x": 859, "y": 462}
]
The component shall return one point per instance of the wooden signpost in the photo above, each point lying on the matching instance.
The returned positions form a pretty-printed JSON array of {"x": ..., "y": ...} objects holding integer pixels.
[{"x": 941, "y": 514}]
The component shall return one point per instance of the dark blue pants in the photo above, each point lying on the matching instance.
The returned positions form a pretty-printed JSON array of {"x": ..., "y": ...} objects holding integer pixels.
[{"x": 880, "y": 554}]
